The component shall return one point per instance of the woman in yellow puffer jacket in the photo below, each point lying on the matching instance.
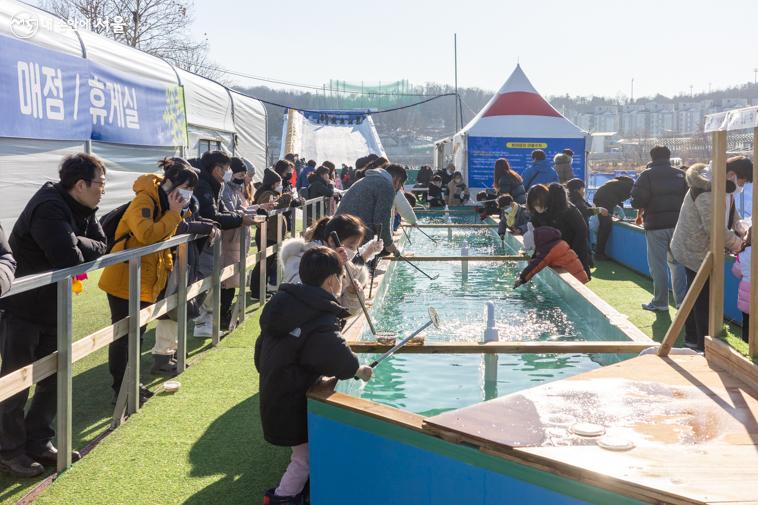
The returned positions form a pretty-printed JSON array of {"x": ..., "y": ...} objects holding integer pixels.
[{"x": 152, "y": 216}]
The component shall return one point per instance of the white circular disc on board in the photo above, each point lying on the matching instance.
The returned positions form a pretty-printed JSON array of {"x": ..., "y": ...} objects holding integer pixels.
[
  {"x": 587, "y": 429},
  {"x": 613, "y": 443}
]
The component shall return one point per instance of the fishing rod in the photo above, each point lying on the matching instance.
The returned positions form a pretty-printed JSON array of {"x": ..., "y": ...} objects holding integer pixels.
[
  {"x": 359, "y": 292},
  {"x": 431, "y": 278},
  {"x": 407, "y": 235},
  {"x": 433, "y": 320},
  {"x": 424, "y": 234},
  {"x": 375, "y": 263}
]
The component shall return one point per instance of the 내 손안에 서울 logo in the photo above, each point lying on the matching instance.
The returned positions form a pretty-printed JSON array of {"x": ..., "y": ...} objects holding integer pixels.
[{"x": 24, "y": 25}]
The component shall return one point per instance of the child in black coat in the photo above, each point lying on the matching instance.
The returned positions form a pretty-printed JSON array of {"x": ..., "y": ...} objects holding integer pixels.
[{"x": 300, "y": 341}]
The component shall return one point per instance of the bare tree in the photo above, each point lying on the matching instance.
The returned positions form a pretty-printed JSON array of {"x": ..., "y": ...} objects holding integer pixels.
[{"x": 157, "y": 27}]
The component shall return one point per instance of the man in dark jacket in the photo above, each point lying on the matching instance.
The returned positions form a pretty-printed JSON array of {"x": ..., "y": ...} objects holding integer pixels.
[
  {"x": 215, "y": 170},
  {"x": 658, "y": 195},
  {"x": 609, "y": 196},
  {"x": 7, "y": 264},
  {"x": 300, "y": 341},
  {"x": 57, "y": 229},
  {"x": 371, "y": 199}
]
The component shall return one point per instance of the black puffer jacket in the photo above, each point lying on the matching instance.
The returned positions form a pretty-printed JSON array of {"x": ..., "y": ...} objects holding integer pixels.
[
  {"x": 54, "y": 231},
  {"x": 573, "y": 228},
  {"x": 614, "y": 192},
  {"x": 7, "y": 264},
  {"x": 319, "y": 188},
  {"x": 659, "y": 191},
  {"x": 211, "y": 206},
  {"x": 300, "y": 341}
]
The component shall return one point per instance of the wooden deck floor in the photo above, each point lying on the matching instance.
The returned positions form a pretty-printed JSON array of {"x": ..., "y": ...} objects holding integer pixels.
[{"x": 694, "y": 426}]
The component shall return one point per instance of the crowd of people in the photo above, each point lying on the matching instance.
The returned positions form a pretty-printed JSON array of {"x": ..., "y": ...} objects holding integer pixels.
[
  {"x": 325, "y": 271},
  {"x": 548, "y": 206}
]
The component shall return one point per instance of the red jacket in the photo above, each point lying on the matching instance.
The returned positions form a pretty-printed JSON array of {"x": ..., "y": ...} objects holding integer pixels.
[{"x": 551, "y": 251}]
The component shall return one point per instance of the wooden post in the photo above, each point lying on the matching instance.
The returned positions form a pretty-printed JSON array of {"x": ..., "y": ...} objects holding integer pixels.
[
  {"x": 181, "y": 307},
  {"x": 242, "y": 267},
  {"x": 65, "y": 339},
  {"x": 753, "y": 330},
  {"x": 718, "y": 226},
  {"x": 216, "y": 292},
  {"x": 132, "y": 375},
  {"x": 689, "y": 301},
  {"x": 263, "y": 257}
]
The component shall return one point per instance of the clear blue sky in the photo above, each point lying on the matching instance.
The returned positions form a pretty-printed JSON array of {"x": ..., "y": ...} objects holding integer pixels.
[{"x": 581, "y": 47}]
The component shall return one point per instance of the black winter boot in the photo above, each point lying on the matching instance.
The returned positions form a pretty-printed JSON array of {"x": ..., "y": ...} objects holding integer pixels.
[{"x": 163, "y": 365}]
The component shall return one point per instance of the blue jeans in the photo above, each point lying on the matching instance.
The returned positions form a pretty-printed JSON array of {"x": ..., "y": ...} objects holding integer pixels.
[{"x": 661, "y": 263}]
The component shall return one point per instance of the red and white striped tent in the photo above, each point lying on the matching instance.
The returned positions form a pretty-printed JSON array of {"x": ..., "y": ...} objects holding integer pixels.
[{"x": 516, "y": 120}]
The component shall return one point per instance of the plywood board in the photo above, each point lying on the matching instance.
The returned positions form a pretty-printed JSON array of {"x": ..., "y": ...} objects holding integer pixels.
[{"x": 693, "y": 424}]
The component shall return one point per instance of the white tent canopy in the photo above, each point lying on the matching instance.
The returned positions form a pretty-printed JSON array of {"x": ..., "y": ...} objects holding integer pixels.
[
  {"x": 516, "y": 120},
  {"x": 216, "y": 117},
  {"x": 330, "y": 138}
]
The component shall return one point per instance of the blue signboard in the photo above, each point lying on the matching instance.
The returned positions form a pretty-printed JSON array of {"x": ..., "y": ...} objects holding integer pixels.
[
  {"x": 484, "y": 151},
  {"x": 45, "y": 94}
]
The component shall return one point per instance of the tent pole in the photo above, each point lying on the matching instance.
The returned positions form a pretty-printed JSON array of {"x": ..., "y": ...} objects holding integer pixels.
[{"x": 455, "y": 58}]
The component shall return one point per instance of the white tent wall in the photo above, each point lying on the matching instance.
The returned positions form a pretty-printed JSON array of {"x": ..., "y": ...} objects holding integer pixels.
[
  {"x": 26, "y": 163},
  {"x": 208, "y": 103},
  {"x": 64, "y": 41},
  {"x": 128, "y": 60},
  {"x": 124, "y": 164},
  {"x": 199, "y": 133},
  {"x": 251, "y": 127}
]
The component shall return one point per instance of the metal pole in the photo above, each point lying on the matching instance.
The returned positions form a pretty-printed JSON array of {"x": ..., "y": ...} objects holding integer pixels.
[
  {"x": 181, "y": 308},
  {"x": 241, "y": 297},
  {"x": 305, "y": 217},
  {"x": 279, "y": 237},
  {"x": 464, "y": 263},
  {"x": 216, "y": 293},
  {"x": 263, "y": 258},
  {"x": 455, "y": 56},
  {"x": 133, "y": 369},
  {"x": 64, "y": 385}
]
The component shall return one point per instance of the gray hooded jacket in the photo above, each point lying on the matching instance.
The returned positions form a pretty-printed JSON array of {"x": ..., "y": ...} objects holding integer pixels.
[{"x": 692, "y": 236}]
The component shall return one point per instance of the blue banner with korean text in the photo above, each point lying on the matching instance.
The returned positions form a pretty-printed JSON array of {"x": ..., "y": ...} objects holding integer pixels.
[
  {"x": 46, "y": 94},
  {"x": 484, "y": 151}
]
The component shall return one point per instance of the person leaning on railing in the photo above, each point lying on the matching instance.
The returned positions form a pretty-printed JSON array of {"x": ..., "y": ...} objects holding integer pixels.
[
  {"x": 57, "y": 229},
  {"x": 166, "y": 328},
  {"x": 152, "y": 216},
  {"x": 7, "y": 264},
  {"x": 215, "y": 171}
]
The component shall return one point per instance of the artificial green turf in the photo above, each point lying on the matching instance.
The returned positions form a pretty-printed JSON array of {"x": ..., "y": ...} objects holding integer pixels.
[
  {"x": 202, "y": 445},
  {"x": 92, "y": 409}
]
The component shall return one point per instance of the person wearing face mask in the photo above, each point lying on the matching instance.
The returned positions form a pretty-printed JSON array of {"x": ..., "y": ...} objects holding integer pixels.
[
  {"x": 691, "y": 242},
  {"x": 166, "y": 329},
  {"x": 215, "y": 173},
  {"x": 549, "y": 206},
  {"x": 152, "y": 216},
  {"x": 57, "y": 229},
  {"x": 271, "y": 193},
  {"x": 300, "y": 341},
  {"x": 351, "y": 232},
  {"x": 234, "y": 199},
  {"x": 739, "y": 170}
]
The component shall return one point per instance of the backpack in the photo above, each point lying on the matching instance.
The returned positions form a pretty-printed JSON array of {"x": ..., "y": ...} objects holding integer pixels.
[{"x": 109, "y": 222}]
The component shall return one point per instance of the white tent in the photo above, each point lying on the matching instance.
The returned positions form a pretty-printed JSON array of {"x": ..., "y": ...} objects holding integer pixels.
[
  {"x": 514, "y": 122},
  {"x": 209, "y": 115},
  {"x": 336, "y": 136}
]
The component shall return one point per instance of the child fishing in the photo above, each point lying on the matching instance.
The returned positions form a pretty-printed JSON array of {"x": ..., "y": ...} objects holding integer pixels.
[{"x": 300, "y": 341}]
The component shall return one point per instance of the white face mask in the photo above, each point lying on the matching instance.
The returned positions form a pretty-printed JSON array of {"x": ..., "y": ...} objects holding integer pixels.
[
  {"x": 278, "y": 188},
  {"x": 228, "y": 175},
  {"x": 351, "y": 253},
  {"x": 186, "y": 195}
]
